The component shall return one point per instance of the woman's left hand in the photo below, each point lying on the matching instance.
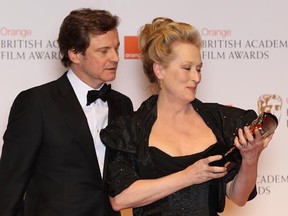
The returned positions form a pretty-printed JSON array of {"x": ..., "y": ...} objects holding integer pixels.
[{"x": 251, "y": 146}]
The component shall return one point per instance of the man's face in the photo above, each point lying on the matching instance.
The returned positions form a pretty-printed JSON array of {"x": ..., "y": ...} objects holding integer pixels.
[{"x": 99, "y": 64}]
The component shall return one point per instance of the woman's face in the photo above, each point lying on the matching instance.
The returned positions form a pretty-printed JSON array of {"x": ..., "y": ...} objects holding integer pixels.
[{"x": 182, "y": 75}]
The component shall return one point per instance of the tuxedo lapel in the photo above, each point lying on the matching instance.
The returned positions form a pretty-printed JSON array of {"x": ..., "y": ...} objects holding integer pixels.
[
  {"x": 73, "y": 113},
  {"x": 113, "y": 104}
]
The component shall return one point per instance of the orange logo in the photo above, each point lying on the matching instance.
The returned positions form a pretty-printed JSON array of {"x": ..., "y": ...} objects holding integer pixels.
[{"x": 131, "y": 50}]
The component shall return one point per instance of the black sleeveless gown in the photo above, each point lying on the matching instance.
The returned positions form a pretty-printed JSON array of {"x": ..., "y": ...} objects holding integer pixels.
[{"x": 196, "y": 200}]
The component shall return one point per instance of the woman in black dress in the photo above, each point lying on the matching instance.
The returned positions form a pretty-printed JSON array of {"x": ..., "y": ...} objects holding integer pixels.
[{"x": 159, "y": 160}]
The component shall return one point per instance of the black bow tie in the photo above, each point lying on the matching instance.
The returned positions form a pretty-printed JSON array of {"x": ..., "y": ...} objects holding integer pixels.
[{"x": 93, "y": 95}]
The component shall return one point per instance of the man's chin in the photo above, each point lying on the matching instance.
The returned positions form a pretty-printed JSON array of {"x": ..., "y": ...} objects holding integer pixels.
[{"x": 110, "y": 79}]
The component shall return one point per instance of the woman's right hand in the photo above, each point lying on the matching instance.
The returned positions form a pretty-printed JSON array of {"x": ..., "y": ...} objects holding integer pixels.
[{"x": 201, "y": 171}]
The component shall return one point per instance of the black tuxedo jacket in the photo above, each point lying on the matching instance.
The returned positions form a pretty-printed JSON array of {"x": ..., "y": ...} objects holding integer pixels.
[{"x": 49, "y": 165}]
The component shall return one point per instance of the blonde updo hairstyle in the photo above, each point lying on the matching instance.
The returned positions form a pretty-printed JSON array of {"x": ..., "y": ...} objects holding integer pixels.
[{"x": 157, "y": 38}]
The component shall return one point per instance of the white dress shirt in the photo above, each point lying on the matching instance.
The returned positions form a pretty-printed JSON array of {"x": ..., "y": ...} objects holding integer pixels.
[{"x": 96, "y": 114}]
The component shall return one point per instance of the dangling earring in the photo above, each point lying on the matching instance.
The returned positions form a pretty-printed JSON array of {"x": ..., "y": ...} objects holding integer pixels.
[{"x": 160, "y": 83}]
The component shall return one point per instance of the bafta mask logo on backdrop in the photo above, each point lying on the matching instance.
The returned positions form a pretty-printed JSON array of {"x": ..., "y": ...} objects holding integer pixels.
[
  {"x": 271, "y": 103},
  {"x": 131, "y": 49}
]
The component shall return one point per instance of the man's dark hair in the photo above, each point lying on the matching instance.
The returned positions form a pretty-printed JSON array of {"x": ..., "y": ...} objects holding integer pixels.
[{"x": 77, "y": 28}]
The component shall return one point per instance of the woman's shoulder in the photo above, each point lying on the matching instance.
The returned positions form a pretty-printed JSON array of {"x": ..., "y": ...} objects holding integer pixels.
[
  {"x": 124, "y": 132},
  {"x": 223, "y": 111}
]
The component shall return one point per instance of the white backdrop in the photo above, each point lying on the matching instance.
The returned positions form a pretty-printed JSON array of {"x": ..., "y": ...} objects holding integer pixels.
[{"x": 245, "y": 56}]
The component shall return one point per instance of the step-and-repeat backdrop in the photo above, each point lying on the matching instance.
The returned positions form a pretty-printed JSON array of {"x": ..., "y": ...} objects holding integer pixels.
[{"x": 244, "y": 52}]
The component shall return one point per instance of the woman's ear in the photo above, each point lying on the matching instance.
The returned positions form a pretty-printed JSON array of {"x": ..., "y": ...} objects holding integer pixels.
[
  {"x": 73, "y": 56},
  {"x": 158, "y": 70}
]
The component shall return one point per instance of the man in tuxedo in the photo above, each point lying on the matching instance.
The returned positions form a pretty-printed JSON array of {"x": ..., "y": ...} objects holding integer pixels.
[{"x": 52, "y": 160}]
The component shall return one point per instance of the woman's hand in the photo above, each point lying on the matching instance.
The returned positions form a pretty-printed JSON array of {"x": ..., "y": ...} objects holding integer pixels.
[
  {"x": 251, "y": 146},
  {"x": 239, "y": 189},
  {"x": 201, "y": 171}
]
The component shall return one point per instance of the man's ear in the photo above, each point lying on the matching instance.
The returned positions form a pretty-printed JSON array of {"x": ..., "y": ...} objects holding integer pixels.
[
  {"x": 158, "y": 70},
  {"x": 73, "y": 56}
]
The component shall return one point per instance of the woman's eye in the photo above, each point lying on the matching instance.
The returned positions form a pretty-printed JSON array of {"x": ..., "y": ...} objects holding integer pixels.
[
  {"x": 187, "y": 68},
  {"x": 198, "y": 69}
]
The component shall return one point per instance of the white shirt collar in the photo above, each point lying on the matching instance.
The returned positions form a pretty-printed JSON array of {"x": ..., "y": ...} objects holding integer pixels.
[{"x": 80, "y": 88}]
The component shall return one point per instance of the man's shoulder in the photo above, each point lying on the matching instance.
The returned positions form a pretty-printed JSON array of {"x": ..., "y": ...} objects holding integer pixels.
[
  {"x": 40, "y": 89},
  {"x": 117, "y": 93},
  {"x": 119, "y": 96}
]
